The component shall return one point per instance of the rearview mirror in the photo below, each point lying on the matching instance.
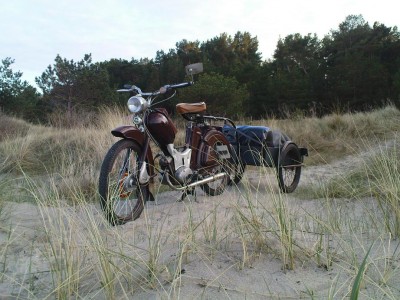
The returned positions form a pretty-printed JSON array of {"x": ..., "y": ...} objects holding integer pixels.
[{"x": 194, "y": 69}]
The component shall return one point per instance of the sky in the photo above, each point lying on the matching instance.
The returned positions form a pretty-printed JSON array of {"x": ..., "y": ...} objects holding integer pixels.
[{"x": 33, "y": 32}]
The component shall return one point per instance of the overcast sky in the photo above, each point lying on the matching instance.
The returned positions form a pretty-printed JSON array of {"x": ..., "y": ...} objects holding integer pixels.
[{"x": 33, "y": 32}]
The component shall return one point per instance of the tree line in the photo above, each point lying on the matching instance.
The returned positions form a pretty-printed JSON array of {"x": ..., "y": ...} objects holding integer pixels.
[{"x": 356, "y": 66}]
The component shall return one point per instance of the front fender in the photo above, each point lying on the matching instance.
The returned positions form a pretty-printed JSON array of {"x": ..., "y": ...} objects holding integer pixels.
[
  {"x": 129, "y": 132},
  {"x": 132, "y": 133}
]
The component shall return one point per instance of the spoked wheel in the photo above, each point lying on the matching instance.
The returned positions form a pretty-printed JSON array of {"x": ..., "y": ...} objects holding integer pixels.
[
  {"x": 289, "y": 168},
  {"x": 121, "y": 196},
  {"x": 238, "y": 167},
  {"x": 238, "y": 170},
  {"x": 220, "y": 164}
]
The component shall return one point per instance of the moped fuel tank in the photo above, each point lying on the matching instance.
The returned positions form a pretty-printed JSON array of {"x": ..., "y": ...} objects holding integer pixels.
[{"x": 160, "y": 126}]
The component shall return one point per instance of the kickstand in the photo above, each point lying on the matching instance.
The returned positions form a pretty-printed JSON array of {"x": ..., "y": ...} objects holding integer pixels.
[{"x": 189, "y": 192}]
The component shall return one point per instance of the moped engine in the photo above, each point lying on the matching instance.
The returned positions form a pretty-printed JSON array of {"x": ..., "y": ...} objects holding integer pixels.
[
  {"x": 183, "y": 175},
  {"x": 180, "y": 176},
  {"x": 176, "y": 168}
]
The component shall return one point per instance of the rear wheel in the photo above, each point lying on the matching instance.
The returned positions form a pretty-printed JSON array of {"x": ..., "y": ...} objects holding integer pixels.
[
  {"x": 238, "y": 167},
  {"x": 121, "y": 196},
  {"x": 289, "y": 168},
  {"x": 219, "y": 157},
  {"x": 238, "y": 170}
]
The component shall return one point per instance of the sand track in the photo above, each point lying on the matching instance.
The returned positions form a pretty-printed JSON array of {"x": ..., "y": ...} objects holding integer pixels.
[{"x": 215, "y": 269}]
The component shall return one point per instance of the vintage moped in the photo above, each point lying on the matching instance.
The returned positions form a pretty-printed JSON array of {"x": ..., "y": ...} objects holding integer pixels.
[
  {"x": 214, "y": 155},
  {"x": 129, "y": 166}
]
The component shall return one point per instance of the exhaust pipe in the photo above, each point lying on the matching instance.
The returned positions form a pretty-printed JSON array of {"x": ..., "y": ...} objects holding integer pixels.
[{"x": 194, "y": 184}]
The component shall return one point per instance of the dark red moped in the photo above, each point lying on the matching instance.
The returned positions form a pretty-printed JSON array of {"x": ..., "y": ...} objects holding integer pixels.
[
  {"x": 129, "y": 166},
  {"x": 212, "y": 157}
]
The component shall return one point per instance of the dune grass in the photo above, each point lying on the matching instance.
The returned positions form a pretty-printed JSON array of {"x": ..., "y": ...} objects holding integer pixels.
[
  {"x": 173, "y": 247},
  {"x": 378, "y": 177},
  {"x": 333, "y": 136}
]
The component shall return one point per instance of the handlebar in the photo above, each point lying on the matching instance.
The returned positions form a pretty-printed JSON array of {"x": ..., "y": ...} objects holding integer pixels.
[
  {"x": 162, "y": 90},
  {"x": 179, "y": 85},
  {"x": 132, "y": 88}
]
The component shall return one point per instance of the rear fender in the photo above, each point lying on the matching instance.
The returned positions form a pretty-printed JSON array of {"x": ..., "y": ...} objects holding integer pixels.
[
  {"x": 286, "y": 144},
  {"x": 134, "y": 134},
  {"x": 212, "y": 135},
  {"x": 206, "y": 156},
  {"x": 303, "y": 151}
]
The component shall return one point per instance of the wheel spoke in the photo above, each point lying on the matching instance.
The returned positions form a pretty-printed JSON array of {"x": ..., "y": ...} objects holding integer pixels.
[
  {"x": 123, "y": 200},
  {"x": 289, "y": 175}
]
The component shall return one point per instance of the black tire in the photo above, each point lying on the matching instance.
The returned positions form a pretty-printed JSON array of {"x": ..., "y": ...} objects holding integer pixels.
[
  {"x": 238, "y": 170},
  {"x": 217, "y": 187},
  {"x": 289, "y": 168},
  {"x": 238, "y": 167},
  {"x": 120, "y": 202}
]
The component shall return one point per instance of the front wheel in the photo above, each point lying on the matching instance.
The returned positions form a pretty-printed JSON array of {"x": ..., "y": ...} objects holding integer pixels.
[
  {"x": 289, "y": 168},
  {"x": 121, "y": 196}
]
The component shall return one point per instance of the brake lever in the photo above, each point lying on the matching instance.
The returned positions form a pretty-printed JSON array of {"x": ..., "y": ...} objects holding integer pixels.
[{"x": 130, "y": 88}]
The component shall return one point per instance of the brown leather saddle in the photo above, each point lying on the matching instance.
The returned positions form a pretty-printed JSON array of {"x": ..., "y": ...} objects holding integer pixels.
[{"x": 191, "y": 108}]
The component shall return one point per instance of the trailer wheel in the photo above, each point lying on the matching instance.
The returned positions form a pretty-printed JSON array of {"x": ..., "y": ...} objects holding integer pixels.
[{"x": 289, "y": 168}]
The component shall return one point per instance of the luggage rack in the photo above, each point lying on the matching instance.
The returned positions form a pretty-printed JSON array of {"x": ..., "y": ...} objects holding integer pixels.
[{"x": 223, "y": 119}]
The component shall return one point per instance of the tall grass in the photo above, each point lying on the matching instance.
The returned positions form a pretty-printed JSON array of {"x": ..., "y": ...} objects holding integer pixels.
[
  {"x": 377, "y": 176},
  {"x": 360, "y": 274},
  {"x": 70, "y": 157},
  {"x": 335, "y": 135},
  {"x": 11, "y": 127},
  {"x": 186, "y": 249}
]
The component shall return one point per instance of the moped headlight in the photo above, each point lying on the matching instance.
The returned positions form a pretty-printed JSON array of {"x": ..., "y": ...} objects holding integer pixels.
[{"x": 137, "y": 104}]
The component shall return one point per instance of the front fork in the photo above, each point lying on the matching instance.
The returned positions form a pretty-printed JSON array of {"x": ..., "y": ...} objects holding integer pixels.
[
  {"x": 140, "y": 175},
  {"x": 143, "y": 176}
]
